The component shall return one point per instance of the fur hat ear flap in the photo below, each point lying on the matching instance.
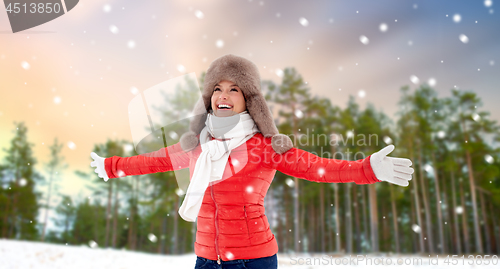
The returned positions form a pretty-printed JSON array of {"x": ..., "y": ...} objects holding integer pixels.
[
  {"x": 281, "y": 143},
  {"x": 189, "y": 141}
]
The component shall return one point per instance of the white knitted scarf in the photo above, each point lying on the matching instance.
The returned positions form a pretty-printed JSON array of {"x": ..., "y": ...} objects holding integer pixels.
[{"x": 233, "y": 132}]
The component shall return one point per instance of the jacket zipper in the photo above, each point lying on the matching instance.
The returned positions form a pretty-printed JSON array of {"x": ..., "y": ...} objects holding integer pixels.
[
  {"x": 216, "y": 225},
  {"x": 246, "y": 219}
]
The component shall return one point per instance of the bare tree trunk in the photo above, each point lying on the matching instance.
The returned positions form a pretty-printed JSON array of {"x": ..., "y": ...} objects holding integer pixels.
[
  {"x": 366, "y": 234},
  {"x": 417, "y": 203},
  {"x": 428, "y": 221},
  {"x": 6, "y": 217},
  {"x": 176, "y": 226},
  {"x": 115, "y": 215},
  {"x": 108, "y": 213},
  {"x": 415, "y": 236},
  {"x": 496, "y": 233},
  {"x": 464, "y": 220},
  {"x": 448, "y": 237},
  {"x": 348, "y": 218},
  {"x": 163, "y": 238},
  {"x": 47, "y": 206},
  {"x": 131, "y": 219},
  {"x": 337, "y": 218},
  {"x": 322, "y": 217},
  {"x": 486, "y": 224},
  {"x": 442, "y": 244},
  {"x": 395, "y": 219},
  {"x": 458, "y": 243},
  {"x": 372, "y": 194},
  {"x": 329, "y": 219},
  {"x": 355, "y": 205},
  {"x": 477, "y": 230}
]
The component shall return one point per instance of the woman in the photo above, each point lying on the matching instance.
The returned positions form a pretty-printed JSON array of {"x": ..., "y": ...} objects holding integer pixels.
[{"x": 233, "y": 152}]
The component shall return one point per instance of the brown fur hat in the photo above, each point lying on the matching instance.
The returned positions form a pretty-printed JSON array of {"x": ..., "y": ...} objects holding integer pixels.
[{"x": 246, "y": 75}]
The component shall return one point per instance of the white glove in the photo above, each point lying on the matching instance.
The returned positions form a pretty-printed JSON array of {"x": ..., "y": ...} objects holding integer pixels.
[
  {"x": 98, "y": 163},
  {"x": 394, "y": 170}
]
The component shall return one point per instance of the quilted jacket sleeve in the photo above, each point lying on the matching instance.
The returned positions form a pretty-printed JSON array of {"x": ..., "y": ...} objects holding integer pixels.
[
  {"x": 163, "y": 160},
  {"x": 302, "y": 164}
]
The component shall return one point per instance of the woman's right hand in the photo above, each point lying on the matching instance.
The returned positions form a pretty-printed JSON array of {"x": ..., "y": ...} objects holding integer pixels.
[{"x": 98, "y": 163}]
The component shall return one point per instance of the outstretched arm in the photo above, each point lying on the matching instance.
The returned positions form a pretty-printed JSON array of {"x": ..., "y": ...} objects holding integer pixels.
[
  {"x": 374, "y": 168},
  {"x": 305, "y": 165},
  {"x": 163, "y": 160}
]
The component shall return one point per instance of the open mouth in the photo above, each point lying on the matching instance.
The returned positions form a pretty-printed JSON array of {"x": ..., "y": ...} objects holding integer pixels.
[{"x": 224, "y": 107}]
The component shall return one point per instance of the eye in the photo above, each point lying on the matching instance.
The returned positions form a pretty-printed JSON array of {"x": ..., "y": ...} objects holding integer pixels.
[
  {"x": 216, "y": 89},
  {"x": 234, "y": 89}
]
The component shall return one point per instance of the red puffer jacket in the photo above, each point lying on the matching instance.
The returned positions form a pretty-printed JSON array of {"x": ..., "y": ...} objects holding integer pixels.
[{"x": 231, "y": 222}]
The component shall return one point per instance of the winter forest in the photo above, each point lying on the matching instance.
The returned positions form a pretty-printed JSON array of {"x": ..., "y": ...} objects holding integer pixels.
[
  {"x": 449, "y": 207},
  {"x": 343, "y": 79}
]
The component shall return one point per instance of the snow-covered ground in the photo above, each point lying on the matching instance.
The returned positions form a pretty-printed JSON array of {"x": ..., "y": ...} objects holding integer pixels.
[{"x": 23, "y": 255}]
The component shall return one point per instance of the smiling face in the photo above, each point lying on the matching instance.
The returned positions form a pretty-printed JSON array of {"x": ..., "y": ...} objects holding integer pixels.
[{"x": 227, "y": 99}]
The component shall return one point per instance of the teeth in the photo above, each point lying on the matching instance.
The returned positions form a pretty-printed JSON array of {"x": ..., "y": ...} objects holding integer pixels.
[{"x": 224, "y": 106}]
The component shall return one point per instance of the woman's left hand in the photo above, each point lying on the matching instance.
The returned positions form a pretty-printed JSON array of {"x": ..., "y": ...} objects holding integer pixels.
[{"x": 394, "y": 170}]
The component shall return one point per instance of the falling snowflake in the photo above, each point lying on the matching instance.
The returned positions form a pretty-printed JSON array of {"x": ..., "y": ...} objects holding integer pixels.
[
  {"x": 488, "y": 158},
  {"x": 428, "y": 168},
  {"x": 361, "y": 93},
  {"x": 459, "y": 210},
  {"x": 488, "y": 3},
  {"x": 387, "y": 140},
  {"x": 463, "y": 38},
  {"x": 181, "y": 68},
  {"x": 71, "y": 145},
  {"x": 416, "y": 228},
  {"x": 290, "y": 182},
  {"x": 414, "y": 79},
  {"x": 179, "y": 192},
  {"x": 25, "y": 65},
  {"x": 350, "y": 134},
  {"x": 57, "y": 100},
  {"x": 476, "y": 117},
  {"x": 432, "y": 82},
  {"x": 23, "y": 182},
  {"x": 364, "y": 40},
  {"x": 173, "y": 135},
  {"x": 219, "y": 43},
  {"x": 92, "y": 244},
  {"x": 152, "y": 238},
  {"x": 114, "y": 29},
  {"x": 121, "y": 173},
  {"x": 134, "y": 90},
  {"x": 229, "y": 256},
  {"x": 383, "y": 27},
  {"x": 321, "y": 171},
  {"x": 303, "y": 21},
  {"x": 199, "y": 14},
  {"x": 441, "y": 134},
  {"x": 457, "y": 18},
  {"x": 279, "y": 73},
  {"x": 106, "y": 8},
  {"x": 235, "y": 162},
  {"x": 249, "y": 189},
  {"x": 131, "y": 44},
  {"x": 492, "y": 63},
  {"x": 299, "y": 114}
]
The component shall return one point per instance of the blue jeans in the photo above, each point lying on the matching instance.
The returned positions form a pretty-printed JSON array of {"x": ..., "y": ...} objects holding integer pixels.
[{"x": 259, "y": 263}]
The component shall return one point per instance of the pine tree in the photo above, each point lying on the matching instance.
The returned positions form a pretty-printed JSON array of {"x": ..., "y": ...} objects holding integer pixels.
[
  {"x": 54, "y": 168},
  {"x": 21, "y": 207}
]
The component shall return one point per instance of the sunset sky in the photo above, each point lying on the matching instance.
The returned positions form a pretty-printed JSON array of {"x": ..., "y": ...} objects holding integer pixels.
[{"x": 73, "y": 77}]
